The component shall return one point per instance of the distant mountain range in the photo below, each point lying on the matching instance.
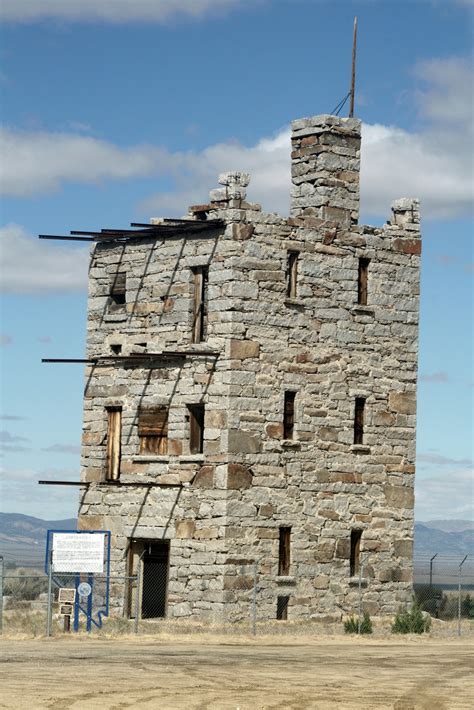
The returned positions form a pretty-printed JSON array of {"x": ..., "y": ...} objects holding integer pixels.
[{"x": 23, "y": 537}]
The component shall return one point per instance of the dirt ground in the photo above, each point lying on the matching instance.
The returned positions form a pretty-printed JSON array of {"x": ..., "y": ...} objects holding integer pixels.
[{"x": 237, "y": 674}]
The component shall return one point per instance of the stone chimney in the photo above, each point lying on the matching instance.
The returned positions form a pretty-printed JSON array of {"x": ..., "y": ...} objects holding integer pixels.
[{"x": 325, "y": 166}]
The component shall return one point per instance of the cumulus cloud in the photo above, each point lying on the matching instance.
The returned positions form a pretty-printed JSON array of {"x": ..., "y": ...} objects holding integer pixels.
[
  {"x": 63, "y": 449},
  {"x": 39, "y": 162},
  {"x": 440, "y": 460},
  {"x": 448, "y": 494},
  {"x": 30, "y": 266},
  {"x": 435, "y": 377},
  {"x": 7, "y": 438},
  {"x": 20, "y": 492},
  {"x": 433, "y": 162},
  {"x": 111, "y": 10}
]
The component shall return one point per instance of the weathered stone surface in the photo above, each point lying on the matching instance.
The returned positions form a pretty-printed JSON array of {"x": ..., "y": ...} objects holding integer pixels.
[
  {"x": 407, "y": 246},
  {"x": 248, "y": 483},
  {"x": 399, "y": 497},
  {"x": 238, "y": 476},
  {"x": 242, "y": 442},
  {"x": 402, "y": 402},
  {"x": 403, "y": 548},
  {"x": 242, "y": 349},
  {"x": 204, "y": 477},
  {"x": 185, "y": 529}
]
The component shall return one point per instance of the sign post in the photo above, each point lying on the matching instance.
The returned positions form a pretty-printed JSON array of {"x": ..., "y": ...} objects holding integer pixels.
[{"x": 74, "y": 554}]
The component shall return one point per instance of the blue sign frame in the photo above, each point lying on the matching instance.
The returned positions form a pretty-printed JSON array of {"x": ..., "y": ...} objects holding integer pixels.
[{"x": 78, "y": 608}]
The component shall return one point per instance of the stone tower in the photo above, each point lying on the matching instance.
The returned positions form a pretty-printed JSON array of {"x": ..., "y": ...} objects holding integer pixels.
[{"x": 251, "y": 395}]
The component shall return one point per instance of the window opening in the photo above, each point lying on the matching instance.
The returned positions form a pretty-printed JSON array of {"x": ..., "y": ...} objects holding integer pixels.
[
  {"x": 116, "y": 349},
  {"x": 117, "y": 296},
  {"x": 153, "y": 430},
  {"x": 356, "y": 536},
  {"x": 362, "y": 282},
  {"x": 284, "y": 552},
  {"x": 292, "y": 274},
  {"x": 196, "y": 428},
  {"x": 282, "y": 608},
  {"x": 201, "y": 277},
  {"x": 289, "y": 415},
  {"x": 114, "y": 443},
  {"x": 359, "y": 420}
]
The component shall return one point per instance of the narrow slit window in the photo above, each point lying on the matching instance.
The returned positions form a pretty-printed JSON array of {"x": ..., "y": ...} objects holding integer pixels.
[
  {"x": 282, "y": 608},
  {"x": 289, "y": 415},
  {"x": 201, "y": 277},
  {"x": 118, "y": 290},
  {"x": 356, "y": 536},
  {"x": 292, "y": 274},
  {"x": 359, "y": 420},
  {"x": 153, "y": 430},
  {"x": 284, "y": 552},
  {"x": 114, "y": 443},
  {"x": 196, "y": 428},
  {"x": 363, "y": 281}
]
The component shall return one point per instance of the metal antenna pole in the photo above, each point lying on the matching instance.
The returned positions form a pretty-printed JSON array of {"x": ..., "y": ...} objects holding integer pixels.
[{"x": 353, "y": 78}]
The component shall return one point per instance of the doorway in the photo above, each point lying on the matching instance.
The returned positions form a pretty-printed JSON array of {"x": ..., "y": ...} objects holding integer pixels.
[{"x": 153, "y": 558}]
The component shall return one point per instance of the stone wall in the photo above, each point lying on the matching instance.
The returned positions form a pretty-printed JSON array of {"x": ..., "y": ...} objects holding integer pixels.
[{"x": 320, "y": 343}]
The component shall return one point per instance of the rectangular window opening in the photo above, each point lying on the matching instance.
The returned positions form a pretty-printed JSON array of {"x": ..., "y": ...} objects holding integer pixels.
[
  {"x": 153, "y": 430},
  {"x": 292, "y": 274},
  {"x": 201, "y": 277},
  {"x": 118, "y": 289},
  {"x": 362, "y": 282},
  {"x": 284, "y": 552},
  {"x": 359, "y": 420},
  {"x": 289, "y": 415},
  {"x": 356, "y": 536},
  {"x": 114, "y": 443},
  {"x": 196, "y": 428},
  {"x": 282, "y": 608}
]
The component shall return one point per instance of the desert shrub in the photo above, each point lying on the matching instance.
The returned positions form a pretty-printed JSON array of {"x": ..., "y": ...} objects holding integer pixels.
[
  {"x": 351, "y": 625},
  {"x": 467, "y": 606},
  {"x": 411, "y": 622},
  {"x": 24, "y": 587},
  {"x": 430, "y": 599}
]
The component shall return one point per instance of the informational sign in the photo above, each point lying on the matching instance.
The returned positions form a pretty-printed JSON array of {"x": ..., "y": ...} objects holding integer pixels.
[
  {"x": 84, "y": 589},
  {"x": 67, "y": 595},
  {"x": 73, "y": 552},
  {"x": 65, "y": 610}
]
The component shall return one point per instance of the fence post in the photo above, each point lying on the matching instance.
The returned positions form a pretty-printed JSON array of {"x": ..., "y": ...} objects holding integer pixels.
[
  {"x": 431, "y": 568},
  {"x": 459, "y": 594},
  {"x": 1, "y": 594},
  {"x": 137, "y": 594},
  {"x": 254, "y": 599},
  {"x": 49, "y": 616}
]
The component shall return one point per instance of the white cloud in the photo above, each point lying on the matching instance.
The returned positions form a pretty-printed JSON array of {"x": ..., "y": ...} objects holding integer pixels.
[
  {"x": 449, "y": 494},
  {"x": 63, "y": 449},
  {"x": 433, "y": 162},
  {"x": 39, "y": 162},
  {"x": 30, "y": 266},
  {"x": 268, "y": 163},
  {"x": 435, "y": 377},
  {"x": 440, "y": 460},
  {"x": 111, "y": 10}
]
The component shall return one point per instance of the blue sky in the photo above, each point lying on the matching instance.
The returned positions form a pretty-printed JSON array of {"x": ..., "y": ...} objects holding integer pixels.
[{"x": 117, "y": 111}]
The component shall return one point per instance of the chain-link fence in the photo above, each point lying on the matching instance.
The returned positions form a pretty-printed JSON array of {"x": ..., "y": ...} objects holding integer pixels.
[{"x": 249, "y": 601}]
